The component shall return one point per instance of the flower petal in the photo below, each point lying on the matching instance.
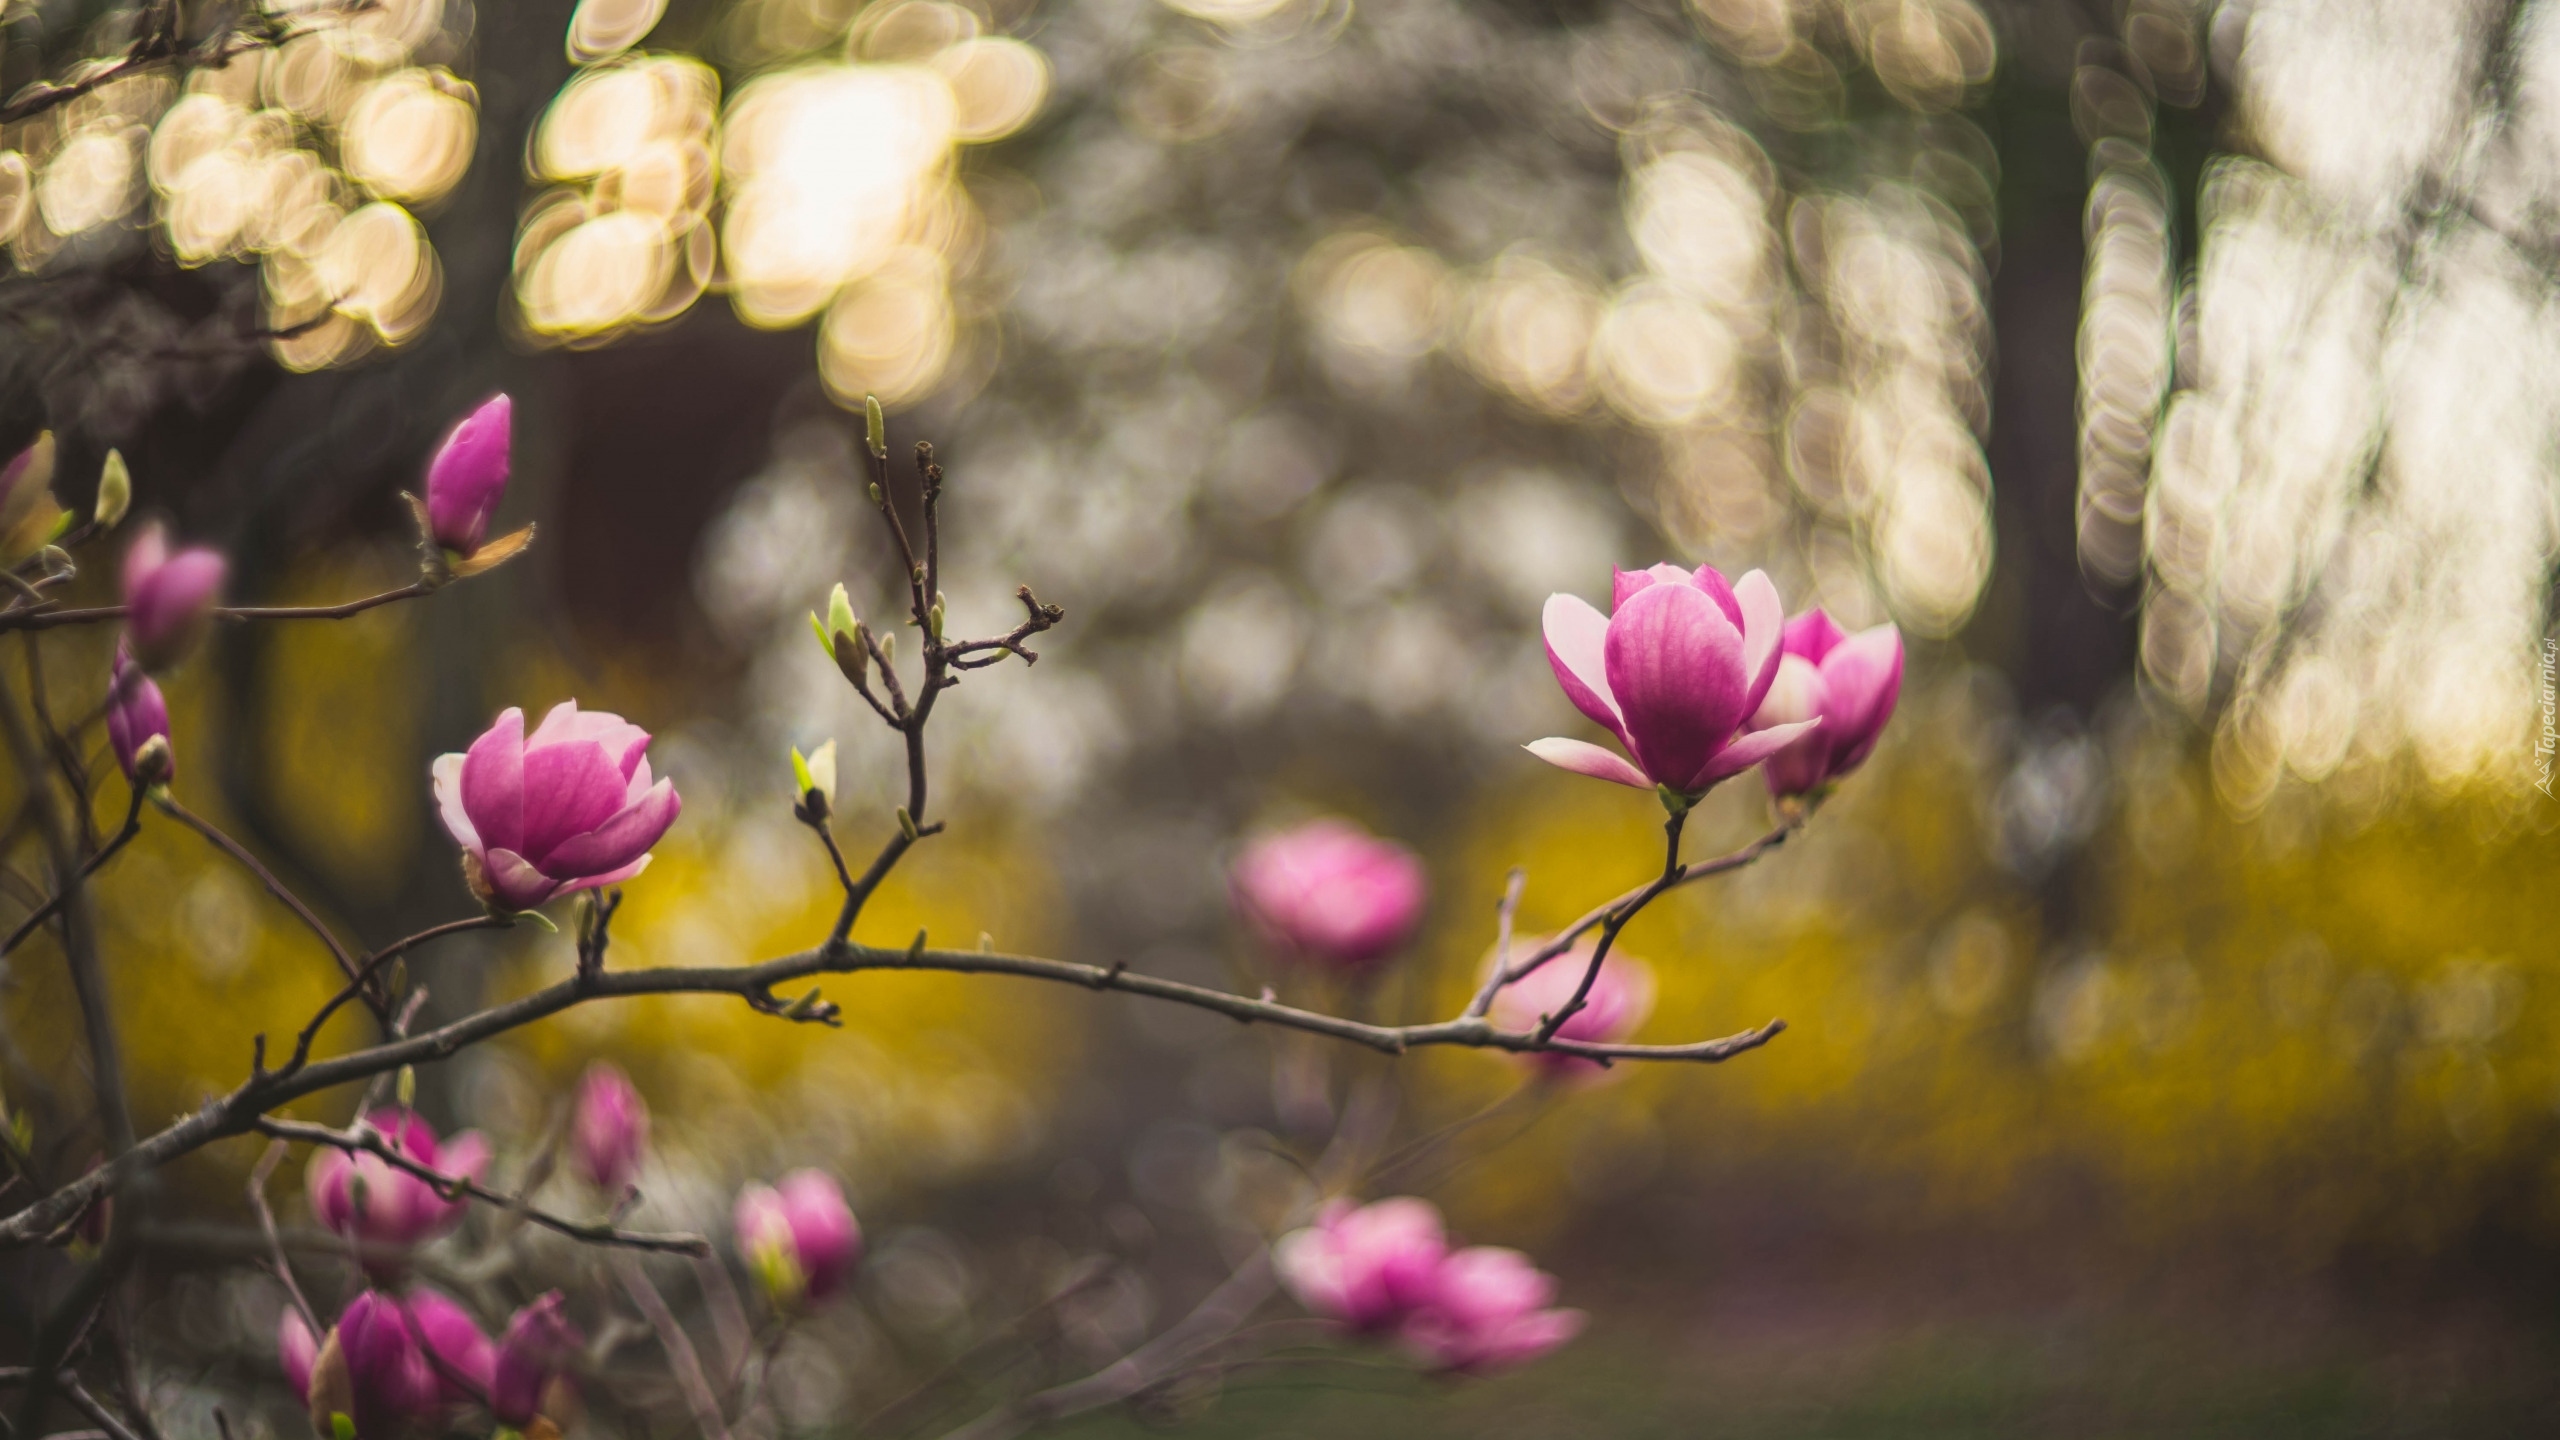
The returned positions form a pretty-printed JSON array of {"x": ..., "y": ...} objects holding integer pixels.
[
  {"x": 598, "y": 882},
  {"x": 1584, "y": 758},
  {"x": 1813, "y": 633},
  {"x": 493, "y": 782},
  {"x": 513, "y": 882},
  {"x": 446, "y": 775},
  {"x": 1711, "y": 580},
  {"x": 1623, "y": 583},
  {"x": 1577, "y": 650},
  {"x": 566, "y": 723},
  {"x": 1764, "y": 627},
  {"x": 619, "y": 840},
  {"x": 1862, "y": 678},
  {"x": 1675, "y": 668},
  {"x": 1750, "y": 750},
  {"x": 568, "y": 790}
]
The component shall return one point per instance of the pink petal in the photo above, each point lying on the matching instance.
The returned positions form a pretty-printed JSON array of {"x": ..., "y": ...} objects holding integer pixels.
[
  {"x": 1812, "y": 634},
  {"x": 1675, "y": 666},
  {"x": 1764, "y": 624},
  {"x": 610, "y": 877},
  {"x": 1584, "y": 758},
  {"x": 1751, "y": 749},
  {"x": 568, "y": 790},
  {"x": 446, "y": 776},
  {"x": 513, "y": 882},
  {"x": 618, "y": 841},
  {"x": 1577, "y": 641},
  {"x": 493, "y": 783},
  {"x": 1863, "y": 679},
  {"x": 639, "y": 783},
  {"x": 566, "y": 723},
  {"x": 1711, "y": 580},
  {"x": 1623, "y": 583},
  {"x": 325, "y": 1178},
  {"x": 148, "y": 552}
]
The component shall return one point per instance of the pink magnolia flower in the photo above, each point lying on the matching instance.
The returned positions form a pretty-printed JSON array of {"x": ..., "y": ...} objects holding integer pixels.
[
  {"x": 1674, "y": 670},
  {"x": 1330, "y": 892},
  {"x": 570, "y": 807},
  {"x": 610, "y": 1130},
  {"x": 1488, "y": 1310},
  {"x": 362, "y": 1197},
  {"x": 296, "y": 1350},
  {"x": 799, "y": 1237},
  {"x": 1848, "y": 682},
  {"x": 137, "y": 715},
  {"x": 374, "y": 1371},
  {"x": 168, "y": 597},
  {"x": 1621, "y": 999},
  {"x": 469, "y": 476},
  {"x": 532, "y": 1357},
  {"x": 458, "y": 1350},
  {"x": 1367, "y": 1266}
]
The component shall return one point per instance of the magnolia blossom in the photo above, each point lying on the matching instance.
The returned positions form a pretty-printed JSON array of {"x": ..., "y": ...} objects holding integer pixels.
[
  {"x": 463, "y": 1359},
  {"x": 569, "y": 807},
  {"x": 1368, "y": 1266},
  {"x": 798, "y": 1236},
  {"x": 1621, "y": 999},
  {"x": 168, "y": 596},
  {"x": 297, "y": 1349},
  {"x": 610, "y": 1129},
  {"x": 374, "y": 1370},
  {"x": 1489, "y": 1310},
  {"x": 1387, "y": 1269},
  {"x": 532, "y": 1357},
  {"x": 1848, "y": 682},
  {"x": 1330, "y": 892},
  {"x": 468, "y": 476},
  {"x": 1674, "y": 670},
  {"x": 362, "y": 1197},
  {"x": 136, "y": 716}
]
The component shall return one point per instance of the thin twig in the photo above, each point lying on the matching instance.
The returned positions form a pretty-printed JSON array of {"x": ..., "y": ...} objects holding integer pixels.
[
  {"x": 116, "y": 842},
  {"x": 228, "y": 846},
  {"x": 97, "y": 614},
  {"x": 680, "y": 1355},
  {"x": 283, "y": 1268},
  {"x": 370, "y": 1142}
]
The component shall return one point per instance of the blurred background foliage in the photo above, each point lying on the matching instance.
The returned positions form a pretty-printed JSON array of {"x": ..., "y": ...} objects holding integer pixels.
[{"x": 2171, "y": 1000}]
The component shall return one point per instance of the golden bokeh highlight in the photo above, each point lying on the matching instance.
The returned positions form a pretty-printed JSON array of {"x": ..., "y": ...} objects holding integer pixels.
[{"x": 821, "y": 190}]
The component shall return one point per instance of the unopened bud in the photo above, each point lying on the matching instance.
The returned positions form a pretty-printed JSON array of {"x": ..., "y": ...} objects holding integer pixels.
[
  {"x": 907, "y": 823},
  {"x": 153, "y": 764},
  {"x": 840, "y": 616},
  {"x": 888, "y": 648},
  {"x": 816, "y": 775},
  {"x": 875, "y": 492},
  {"x": 875, "y": 427},
  {"x": 115, "y": 492},
  {"x": 933, "y": 618},
  {"x": 406, "y": 1087}
]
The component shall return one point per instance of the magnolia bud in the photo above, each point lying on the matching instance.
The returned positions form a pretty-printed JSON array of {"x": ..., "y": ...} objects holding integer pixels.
[
  {"x": 816, "y": 773},
  {"x": 115, "y": 492},
  {"x": 875, "y": 427}
]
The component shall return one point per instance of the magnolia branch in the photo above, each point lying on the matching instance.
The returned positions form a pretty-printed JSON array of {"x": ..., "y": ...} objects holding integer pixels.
[
  {"x": 31, "y": 618},
  {"x": 364, "y": 1139}
]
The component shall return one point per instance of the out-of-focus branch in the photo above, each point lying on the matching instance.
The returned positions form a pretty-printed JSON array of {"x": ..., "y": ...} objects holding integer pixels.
[
  {"x": 680, "y": 1353},
  {"x": 364, "y": 1140},
  {"x": 278, "y": 1264},
  {"x": 228, "y": 846},
  {"x": 46, "y": 911},
  {"x": 28, "y": 618}
]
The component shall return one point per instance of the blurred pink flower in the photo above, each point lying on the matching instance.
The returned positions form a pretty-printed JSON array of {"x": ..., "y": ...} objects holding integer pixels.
[
  {"x": 135, "y": 715},
  {"x": 1368, "y": 1266},
  {"x": 296, "y": 1349},
  {"x": 362, "y": 1197},
  {"x": 1620, "y": 1001},
  {"x": 464, "y": 1361},
  {"x": 532, "y": 1356},
  {"x": 799, "y": 1237},
  {"x": 610, "y": 1131},
  {"x": 374, "y": 1371},
  {"x": 168, "y": 598},
  {"x": 29, "y": 518},
  {"x": 1488, "y": 1310},
  {"x": 570, "y": 807},
  {"x": 1330, "y": 892},
  {"x": 468, "y": 476},
  {"x": 1673, "y": 672},
  {"x": 1848, "y": 682}
]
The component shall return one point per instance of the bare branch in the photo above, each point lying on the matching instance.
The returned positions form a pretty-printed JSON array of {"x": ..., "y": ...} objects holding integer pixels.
[{"x": 366, "y": 1140}]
